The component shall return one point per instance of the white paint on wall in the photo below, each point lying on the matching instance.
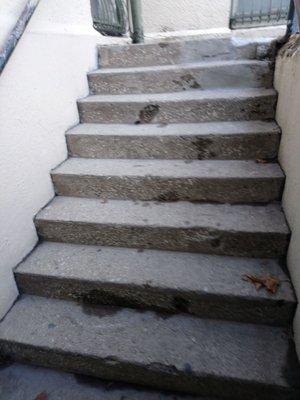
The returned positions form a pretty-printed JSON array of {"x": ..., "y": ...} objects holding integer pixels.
[
  {"x": 287, "y": 82},
  {"x": 185, "y": 15},
  {"x": 39, "y": 87}
]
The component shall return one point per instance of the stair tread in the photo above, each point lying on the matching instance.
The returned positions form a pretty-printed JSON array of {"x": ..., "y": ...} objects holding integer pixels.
[
  {"x": 24, "y": 382},
  {"x": 198, "y": 95},
  {"x": 236, "y": 218},
  {"x": 206, "y": 274},
  {"x": 194, "y": 129},
  {"x": 149, "y": 341},
  {"x": 170, "y": 168},
  {"x": 175, "y": 67}
]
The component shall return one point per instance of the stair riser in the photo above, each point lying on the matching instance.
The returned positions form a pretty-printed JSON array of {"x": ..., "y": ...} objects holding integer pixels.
[
  {"x": 152, "y": 375},
  {"x": 203, "y": 305},
  {"x": 180, "y": 52},
  {"x": 225, "y": 190},
  {"x": 233, "y": 76},
  {"x": 222, "y": 147},
  {"x": 254, "y": 108},
  {"x": 205, "y": 240}
]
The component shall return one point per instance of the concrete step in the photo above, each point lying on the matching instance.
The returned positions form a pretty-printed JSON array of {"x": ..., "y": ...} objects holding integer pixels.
[
  {"x": 210, "y": 140},
  {"x": 177, "y": 78},
  {"x": 182, "y": 51},
  {"x": 25, "y": 382},
  {"x": 183, "y": 107},
  {"x": 240, "y": 230},
  {"x": 180, "y": 353},
  {"x": 203, "y": 285},
  {"x": 170, "y": 180}
]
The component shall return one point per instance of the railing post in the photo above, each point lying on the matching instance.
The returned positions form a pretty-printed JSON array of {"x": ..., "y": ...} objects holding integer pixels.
[
  {"x": 137, "y": 34},
  {"x": 297, "y": 6}
]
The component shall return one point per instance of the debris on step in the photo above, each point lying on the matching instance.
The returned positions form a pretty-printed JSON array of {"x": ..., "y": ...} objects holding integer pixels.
[{"x": 269, "y": 282}]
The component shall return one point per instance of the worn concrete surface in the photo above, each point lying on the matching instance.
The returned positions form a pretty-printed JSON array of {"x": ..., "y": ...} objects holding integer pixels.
[
  {"x": 240, "y": 230},
  {"x": 177, "y": 78},
  {"x": 211, "y": 140},
  {"x": 199, "y": 284},
  {"x": 182, "y": 107},
  {"x": 179, "y": 52},
  {"x": 207, "y": 357},
  {"x": 25, "y": 382},
  {"x": 170, "y": 180}
]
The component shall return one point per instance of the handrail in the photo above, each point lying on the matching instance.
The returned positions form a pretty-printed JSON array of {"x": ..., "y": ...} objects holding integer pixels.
[
  {"x": 112, "y": 18},
  {"x": 135, "y": 12},
  {"x": 17, "y": 32}
]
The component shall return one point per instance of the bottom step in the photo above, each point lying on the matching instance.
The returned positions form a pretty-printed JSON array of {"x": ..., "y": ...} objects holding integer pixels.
[
  {"x": 179, "y": 353},
  {"x": 24, "y": 382}
]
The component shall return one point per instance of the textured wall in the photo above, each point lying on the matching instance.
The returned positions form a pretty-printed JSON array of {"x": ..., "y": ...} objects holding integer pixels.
[
  {"x": 38, "y": 91},
  {"x": 287, "y": 82},
  {"x": 178, "y": 15}
]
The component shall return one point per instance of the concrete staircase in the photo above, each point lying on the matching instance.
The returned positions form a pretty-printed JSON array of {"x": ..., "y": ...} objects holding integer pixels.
[{"x": 171, "y": 195}]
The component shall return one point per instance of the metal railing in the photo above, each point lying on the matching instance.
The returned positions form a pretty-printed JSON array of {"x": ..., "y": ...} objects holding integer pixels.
[
  {"x": 115, "y": 17},
  {"x": 255, "y": 13},
  {"x": 9, "y": 45}
]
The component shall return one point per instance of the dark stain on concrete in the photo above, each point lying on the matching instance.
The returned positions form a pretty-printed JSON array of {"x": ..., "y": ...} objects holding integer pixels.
[
  {"x": 168, "y": 196},
  {"x": 163, "y": 44},
  {"x": 202, "y": 146},
  {"x": 187, "y": 81},
  {"x": 148, "y": 113}
]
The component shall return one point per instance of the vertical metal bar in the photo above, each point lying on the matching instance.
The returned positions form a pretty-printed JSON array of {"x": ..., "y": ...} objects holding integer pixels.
[
  {"x": 137, "y": 22},
  {"x": 243, "y": 11},
  {"x": 291, "y": 15},
  {"x": 252, "y": 12},
  {"x": 261, "y": 11},
  {"x": 297, "y": 12}
]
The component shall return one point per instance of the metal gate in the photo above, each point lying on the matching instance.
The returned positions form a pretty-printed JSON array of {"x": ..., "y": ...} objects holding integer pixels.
[
  {"x": 110, "y": 16},
  {"x": 254, "y": 13}
]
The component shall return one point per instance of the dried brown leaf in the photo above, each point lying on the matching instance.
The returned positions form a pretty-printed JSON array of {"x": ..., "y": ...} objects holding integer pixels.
[
  {"x": 269, "y": 282},
  {"x": 262, "y": 161},
  {"x": 42, "y": 396}
]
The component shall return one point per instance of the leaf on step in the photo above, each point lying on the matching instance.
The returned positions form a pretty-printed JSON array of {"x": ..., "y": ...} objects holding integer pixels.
[
  {"x": 262, "y": 161},
  {"x": 103, "y": 201},
  {"x": 269, "y": 282},
  {"x": 42, "y": 396}
]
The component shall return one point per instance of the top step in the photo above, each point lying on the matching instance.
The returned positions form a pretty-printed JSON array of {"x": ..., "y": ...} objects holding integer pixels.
[{"x": 181, "y": 51}]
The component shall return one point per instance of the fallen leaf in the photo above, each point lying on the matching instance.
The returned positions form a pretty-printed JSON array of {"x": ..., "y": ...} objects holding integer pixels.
[
  {"x": 271, "y": 283},
  {"x": 42, "y": 396},
  {"x": 262, "y": 161},
  {"x": 103, "y": 201}
]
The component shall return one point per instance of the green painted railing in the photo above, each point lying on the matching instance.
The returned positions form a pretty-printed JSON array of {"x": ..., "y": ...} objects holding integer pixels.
[
  {"x": 254, "y": 13},
  {"x": 115, "y": 17}
]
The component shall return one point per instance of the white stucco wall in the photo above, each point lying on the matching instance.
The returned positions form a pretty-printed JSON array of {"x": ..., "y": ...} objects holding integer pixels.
[
  {"x": 38, "y": 91},
  {"x": 183, "y": 15},
  {"x": 287, "y": 82}
]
